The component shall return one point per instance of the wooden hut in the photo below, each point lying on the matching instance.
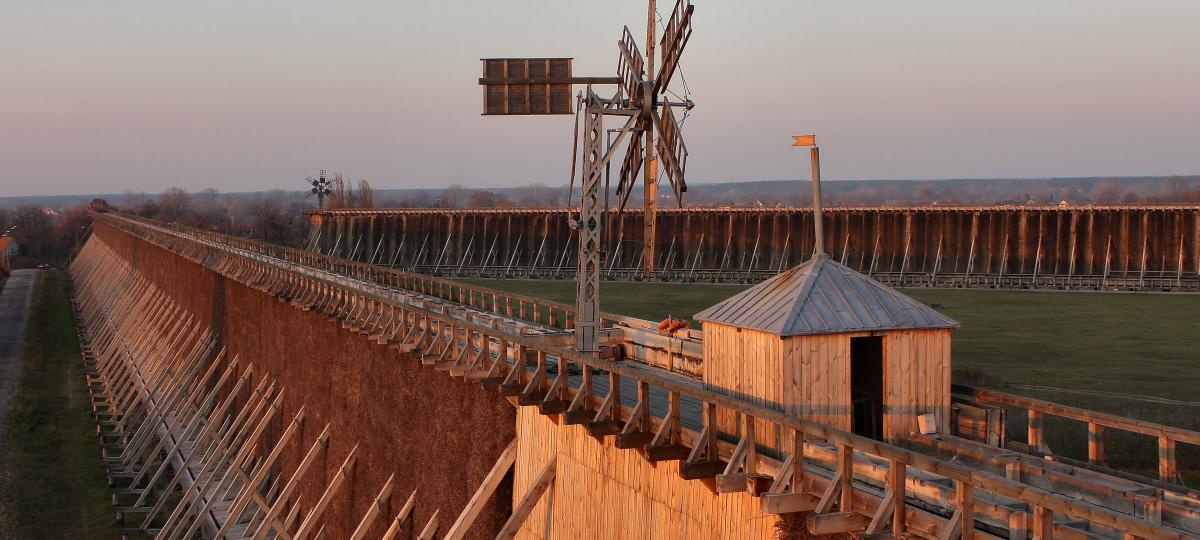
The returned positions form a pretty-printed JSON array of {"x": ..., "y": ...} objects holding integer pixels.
[{"x": 827, "y": 343}]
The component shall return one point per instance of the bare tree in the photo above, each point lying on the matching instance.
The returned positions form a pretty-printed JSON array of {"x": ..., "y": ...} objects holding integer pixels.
[
  {"x": 174, "y": 205},
  {"x": 32, "y": 232},
  {"x": 365, "y": 197},
  {"x": 452, "y": 197},
  {"x": 1106, "y": 190}
]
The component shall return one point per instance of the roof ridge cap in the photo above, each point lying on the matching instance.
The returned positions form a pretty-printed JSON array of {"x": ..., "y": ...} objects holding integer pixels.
[{"x": 802, "y": 292}]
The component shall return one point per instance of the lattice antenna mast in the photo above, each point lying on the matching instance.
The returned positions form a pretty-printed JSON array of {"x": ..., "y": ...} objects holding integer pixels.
[
  {"x": 535, "y": 86},
  {"x": 320, "y": 187}
]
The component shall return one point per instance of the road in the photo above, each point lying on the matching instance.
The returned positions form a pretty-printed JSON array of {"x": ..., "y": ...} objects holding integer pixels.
[{"x": 14, "y": 314}]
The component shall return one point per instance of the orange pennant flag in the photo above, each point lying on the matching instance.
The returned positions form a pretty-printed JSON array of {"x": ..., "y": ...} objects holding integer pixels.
[{"x": 804, "y": 140}]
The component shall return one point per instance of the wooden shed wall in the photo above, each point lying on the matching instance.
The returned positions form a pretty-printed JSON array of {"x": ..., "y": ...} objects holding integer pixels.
[
  {"x": 809, "y": 376},
  {"x": 916, "y": 378},
  {"x": 601, "y": 491}
]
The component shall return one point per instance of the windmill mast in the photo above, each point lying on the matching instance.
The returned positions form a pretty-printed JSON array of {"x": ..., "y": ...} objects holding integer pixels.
[{"x": 650, "y": 216}]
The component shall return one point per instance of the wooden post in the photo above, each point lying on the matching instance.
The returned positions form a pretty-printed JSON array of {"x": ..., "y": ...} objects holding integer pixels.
[
  {"x": 1166, "y": 460},
  {"x": 895, "y": 481},
  {"x": 1095, "y": 443},
  {"x": 846, "y": 467},
  {"x": 964, "y": 499},
  {"x": 1035, "y": 430},
  {"x": 650, "y": 173},
  {"x": 1043, "y": 523},
  {"x": 1018, "y": 525}
]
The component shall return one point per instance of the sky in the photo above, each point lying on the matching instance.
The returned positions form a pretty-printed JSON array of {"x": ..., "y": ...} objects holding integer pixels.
[{"x": 108, "y": 96}]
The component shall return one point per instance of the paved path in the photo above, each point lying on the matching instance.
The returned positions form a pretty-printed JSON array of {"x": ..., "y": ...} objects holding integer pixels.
[{"x": 14, "y": 314}]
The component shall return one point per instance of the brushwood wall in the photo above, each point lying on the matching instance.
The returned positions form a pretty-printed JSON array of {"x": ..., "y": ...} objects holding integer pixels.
[
  {"x": 438, "y": 435},
  {"x": 1050, "y": 246}
]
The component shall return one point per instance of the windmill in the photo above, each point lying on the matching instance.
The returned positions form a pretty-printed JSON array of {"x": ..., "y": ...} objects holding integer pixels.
[
  {"x": 320, "y": 188},
  {"x": 537, "y": 86}
]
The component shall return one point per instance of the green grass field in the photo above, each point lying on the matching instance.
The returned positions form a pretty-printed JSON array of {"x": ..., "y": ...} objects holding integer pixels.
[
  {"x": 51, "y": 483},
  {"x": 1146, "y": 344}
]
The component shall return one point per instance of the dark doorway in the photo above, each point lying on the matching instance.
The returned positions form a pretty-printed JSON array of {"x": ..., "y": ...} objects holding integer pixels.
[{"x": 866, "y": 386}]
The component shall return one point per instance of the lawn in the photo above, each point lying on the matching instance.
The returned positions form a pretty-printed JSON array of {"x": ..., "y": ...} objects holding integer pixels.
[
  {"x": 1145, "y": 344},
  {"x": 52, "y": 484}
]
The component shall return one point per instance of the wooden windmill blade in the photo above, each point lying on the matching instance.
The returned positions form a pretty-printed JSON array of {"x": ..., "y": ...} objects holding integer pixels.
[
  {"x": 635, "y": 154},
  {"x": 675, "y": 37},
  {"x": 631, "y": 67},
  {"x": 672, "y": 152}
]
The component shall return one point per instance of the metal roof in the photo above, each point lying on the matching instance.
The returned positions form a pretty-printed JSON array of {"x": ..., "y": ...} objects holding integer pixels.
[{"x": 822, "y": 296}]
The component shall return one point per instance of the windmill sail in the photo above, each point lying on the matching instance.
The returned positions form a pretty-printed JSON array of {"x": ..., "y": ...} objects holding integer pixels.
[
  {"x": 672, "y": 152},
  {"x": 631, "y": 68},
  {"x": 675, "y": 37}
]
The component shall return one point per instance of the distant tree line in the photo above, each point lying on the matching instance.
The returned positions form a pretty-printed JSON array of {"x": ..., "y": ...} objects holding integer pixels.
[{"x": 49, "y": 234}]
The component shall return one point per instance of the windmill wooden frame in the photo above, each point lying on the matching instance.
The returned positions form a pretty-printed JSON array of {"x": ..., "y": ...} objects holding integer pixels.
[{"x": 528, "y": 86}]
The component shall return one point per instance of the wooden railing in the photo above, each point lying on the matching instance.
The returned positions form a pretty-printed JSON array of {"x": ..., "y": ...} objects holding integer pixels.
[
  {"x": 1037, "y": 410},
  {"x": 679, "y": 351},
  {"x": 848, "y": 483}
]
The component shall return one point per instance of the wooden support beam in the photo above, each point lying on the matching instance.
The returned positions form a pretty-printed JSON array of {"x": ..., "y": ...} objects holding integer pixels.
[
  {"x": 530, "y": 499},
  {"x": 1035, "y": 438},
  {"x": 401, "y": 517},
  {"x": 666, "y": 444},
  {"x": 893, "y": 504},
  {"x": 837, "y": 523},
  {"x": 580, "y": 411},
  {"x": 846, "y": 468},
  {"x": 1167, "y": 471},
  {"x": 318, "y": 446},
  {"x": 964, "y": 501},
  {"x": 733, "y": 478},
  {"x": 431, "y": 527},
  {"x": 484, "y": 493},
  {"x": 339, "y": 476},
  {"x": 1043, "y": 523},
  {"x": 636, "y": 431},
  {"x": 374, "y": 510},
  {"x": 1095, "y": 443}
]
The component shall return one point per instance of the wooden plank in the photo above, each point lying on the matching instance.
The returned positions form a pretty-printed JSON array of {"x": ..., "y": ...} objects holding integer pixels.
[
  {"x": 1167, "y": 471},
  {"x": 1043, "y": 523},
  {"x": 401, "y": 517},
  {"x": 529, "y": 500},
  {"x": 374, "y": 510},
  {"x": 964, "y": 499},
  {"x": 431, "y": 527},
  {"x": 484, "y": 493},
  {"x": 1083, "y": 415},
  {"x": 837, "y": 523},
  {"x": 339, "y": 476},
  {"x": 1095, "y": 443}
]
